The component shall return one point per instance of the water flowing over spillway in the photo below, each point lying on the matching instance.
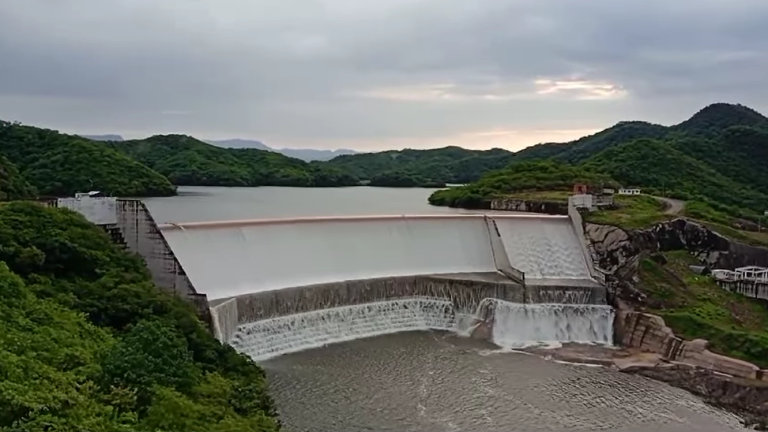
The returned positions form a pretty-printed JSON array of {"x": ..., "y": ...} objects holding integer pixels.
[
  {"x": 519, "y": 325},
  {"x": 269, "y": 338},
  {"x": 515, "y": 325}
]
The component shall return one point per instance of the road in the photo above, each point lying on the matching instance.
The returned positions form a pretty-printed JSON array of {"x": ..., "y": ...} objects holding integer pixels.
[{"x": 673, "y": 206}]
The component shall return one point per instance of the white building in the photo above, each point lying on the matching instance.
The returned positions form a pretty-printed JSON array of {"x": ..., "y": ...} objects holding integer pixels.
[
  {"x": 629, "y": 191},
  {"x": 97, "y": 209}
]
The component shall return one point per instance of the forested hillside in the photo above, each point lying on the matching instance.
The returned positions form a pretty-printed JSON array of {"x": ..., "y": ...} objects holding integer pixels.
[
  {"x": 718, "y": 156},
  {"x": 422, "y": 167},
  {"x": 59, "y": 164},
  {"x": 187, "y": 161},
  {"x": 12, "y": 185},
  {"x": 88, "y": 343}
]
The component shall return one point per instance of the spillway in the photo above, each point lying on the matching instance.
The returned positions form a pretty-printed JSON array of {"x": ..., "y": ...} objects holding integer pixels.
[
  {"x": 280, "y": 286},
  {"x": 514, "y": 325},
  {"x": 543, "y": 248},
  {"x": 233, "y": 259},
  {"x": 227, "y": 259}
]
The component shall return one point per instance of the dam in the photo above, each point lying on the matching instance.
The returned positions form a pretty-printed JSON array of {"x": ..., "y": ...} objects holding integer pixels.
[
  {"x": 278, "y": 286},
  {"x": 390, "y": 328}
]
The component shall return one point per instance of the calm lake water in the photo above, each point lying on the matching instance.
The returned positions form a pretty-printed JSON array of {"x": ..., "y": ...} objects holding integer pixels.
[
  {"x": 197, "y": 204},
  {"x": 434, "y": 381}
]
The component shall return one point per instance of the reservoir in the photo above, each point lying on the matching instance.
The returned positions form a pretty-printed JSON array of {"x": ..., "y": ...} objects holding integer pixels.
[{"x": 435, "y": 380}]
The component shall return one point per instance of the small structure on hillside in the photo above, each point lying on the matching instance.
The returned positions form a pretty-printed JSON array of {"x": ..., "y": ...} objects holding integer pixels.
[
  {"x": 591, "y": 197},
  {"x": 753, "y": 273},
  {"x": 98, "y": 209},
  {"x": 632, "y": 190}
]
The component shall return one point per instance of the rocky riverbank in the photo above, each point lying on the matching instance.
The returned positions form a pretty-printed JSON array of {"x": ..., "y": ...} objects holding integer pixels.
[
  {"x": 650, "y": 348},
  {"x": 747, "y": 398}
]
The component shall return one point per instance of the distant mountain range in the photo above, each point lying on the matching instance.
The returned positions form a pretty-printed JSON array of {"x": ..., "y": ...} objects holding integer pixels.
[
  {"x": 103, "y": 137},
  {"x": 307, "y": 155}
]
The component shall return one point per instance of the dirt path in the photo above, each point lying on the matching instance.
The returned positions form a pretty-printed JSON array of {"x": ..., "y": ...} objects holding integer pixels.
[{"x": 673, "y": 206}]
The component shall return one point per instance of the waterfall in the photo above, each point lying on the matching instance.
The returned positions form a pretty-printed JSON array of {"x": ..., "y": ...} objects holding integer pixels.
[
  {"x": 515, "y": 325},
  {"x": 519, "y": 325},
  {"x": 273, "y": 337}
]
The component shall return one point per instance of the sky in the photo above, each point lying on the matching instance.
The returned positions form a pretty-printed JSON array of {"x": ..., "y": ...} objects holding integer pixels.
[{"x": 376, "y": 74}]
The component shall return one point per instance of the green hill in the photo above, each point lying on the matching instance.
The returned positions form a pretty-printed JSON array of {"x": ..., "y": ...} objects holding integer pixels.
[
  {"x": 520, "y": 177},
  {"x": 60, "y": 165},
  {"x": 187, "y": 161},
  {"x": 662, "y": 168},
  {"x": 717, "y": 156},
  {"x": 12, "y": 185},
  {"x": 422, "y": 167},
  {"x": 88, "y": 343}
]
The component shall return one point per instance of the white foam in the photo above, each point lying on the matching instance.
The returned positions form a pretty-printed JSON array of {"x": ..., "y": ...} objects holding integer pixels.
[
  {"x": 273, "y": 337},
  {"x": 524, "y": 325},
  {"x": 515, "y": 325}
]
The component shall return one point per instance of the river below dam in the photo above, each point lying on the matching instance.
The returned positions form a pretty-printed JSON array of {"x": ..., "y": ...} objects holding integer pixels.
[{"x": 436, "y": 380}]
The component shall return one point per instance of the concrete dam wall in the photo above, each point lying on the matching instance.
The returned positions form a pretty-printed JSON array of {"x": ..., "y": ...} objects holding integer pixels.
[{"x": 265, "y": 277}]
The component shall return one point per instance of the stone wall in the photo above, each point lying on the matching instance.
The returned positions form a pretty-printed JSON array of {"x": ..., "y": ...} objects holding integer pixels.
[
  {"x": 649, "y": 333},
  {"x": 530, "y": 206}
]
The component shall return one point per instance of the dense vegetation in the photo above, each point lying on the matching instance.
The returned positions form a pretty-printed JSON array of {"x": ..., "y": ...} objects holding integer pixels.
[
  {"x": 12, "y": 185},
  {"x": 695, "y": 307},
  {"x": 519, "y": 177},
  {"x": 189, "y": 162},
  {"x": 88, "y": 343},
  {"x": 435, "y": 167},
  {"x": 717, "y": 157},
  {"x": 60, "y": 165}
]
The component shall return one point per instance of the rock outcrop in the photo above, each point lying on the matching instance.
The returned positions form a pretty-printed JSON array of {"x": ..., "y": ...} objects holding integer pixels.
[
  {"x": 741, "y": 397},
  {"x": 649, "y": 333},
  {"x": 617, "y": 252}
]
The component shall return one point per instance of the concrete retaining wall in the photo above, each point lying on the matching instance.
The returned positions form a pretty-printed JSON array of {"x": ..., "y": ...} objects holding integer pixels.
[
  {"x": 500, "y": 254},
  {"x": 142, "y": 236},
  {"x": 224, "y": 318},
  {"x": 649, "y": 333},
  {"x": 578, "y": 228}
]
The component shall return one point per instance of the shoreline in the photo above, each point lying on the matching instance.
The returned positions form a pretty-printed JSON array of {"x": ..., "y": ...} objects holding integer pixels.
[{"x": 743, "y": 397}]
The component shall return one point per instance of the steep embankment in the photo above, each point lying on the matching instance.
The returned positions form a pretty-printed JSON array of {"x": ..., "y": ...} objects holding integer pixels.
[
  {"x": 648, "y": 270},
  {"x": 60, "y": 165},
  {"x": 89, "y": 343},
  {"x": 190, "y": 162}
]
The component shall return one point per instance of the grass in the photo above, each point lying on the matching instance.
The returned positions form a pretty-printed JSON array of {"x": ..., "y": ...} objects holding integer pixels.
[
  {"x": 696, "y": 308},
  {"x": 632, "y": 212},
  {"x": 722, "y": 223}
]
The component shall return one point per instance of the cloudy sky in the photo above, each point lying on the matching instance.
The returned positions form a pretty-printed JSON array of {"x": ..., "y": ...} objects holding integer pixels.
[{"x": 376, "y": 74}]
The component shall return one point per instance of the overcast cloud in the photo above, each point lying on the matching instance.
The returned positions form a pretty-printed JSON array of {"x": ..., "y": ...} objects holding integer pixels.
[{"x": 371, "y": 74}]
